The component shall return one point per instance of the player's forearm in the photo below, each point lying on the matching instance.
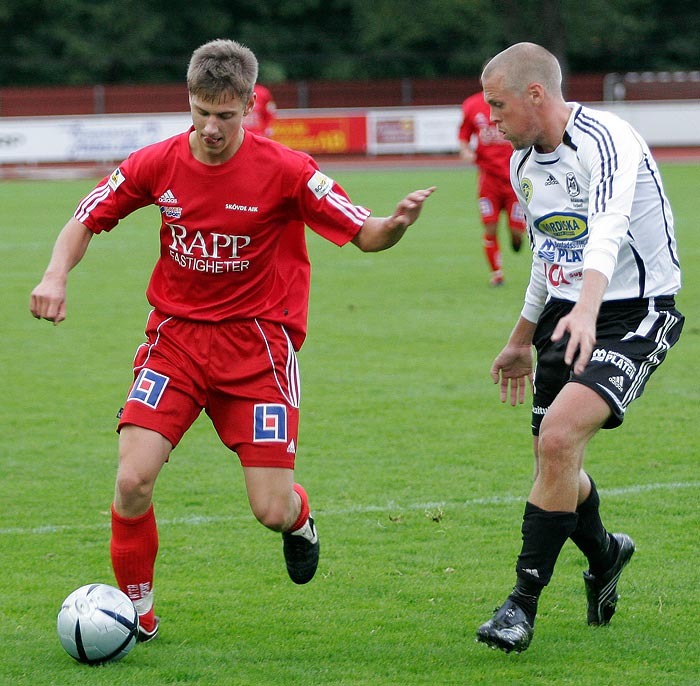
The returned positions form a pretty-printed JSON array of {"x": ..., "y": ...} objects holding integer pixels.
[
  {"x": 379, "y": 233},
  {"x": 522, "y": 333},
  {"x": 466, "y": 152},
  {"x": 592, "y": 291},
  {"x": 536, "y": 293},
  {"x": 68, "y": 250}
]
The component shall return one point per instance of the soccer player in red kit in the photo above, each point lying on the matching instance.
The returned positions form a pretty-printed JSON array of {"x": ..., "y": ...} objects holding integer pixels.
[
  {"x": 481, "y": 144},
  {"x": 229, "y": 293},
  {"x": 261, "y": 118}
]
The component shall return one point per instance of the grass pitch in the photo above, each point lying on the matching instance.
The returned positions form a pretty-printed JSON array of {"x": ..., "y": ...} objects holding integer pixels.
[{"x": 417, "y": 474}]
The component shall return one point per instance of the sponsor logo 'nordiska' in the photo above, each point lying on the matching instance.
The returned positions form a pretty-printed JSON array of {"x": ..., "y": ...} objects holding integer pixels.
[{"x": 563, "y": 226}]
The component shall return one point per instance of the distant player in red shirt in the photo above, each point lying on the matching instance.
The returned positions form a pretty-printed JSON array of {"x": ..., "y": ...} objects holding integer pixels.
[
  {"x": 482, "y": 144},
  {"x": 262, "y": 117},
  {"x": 230, "y": 293}
]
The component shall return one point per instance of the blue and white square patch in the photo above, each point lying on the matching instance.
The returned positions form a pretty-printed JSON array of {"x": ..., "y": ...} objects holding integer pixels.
[
  {"x": 270, "y": 423},
  {"x": 148, "y": 387}
]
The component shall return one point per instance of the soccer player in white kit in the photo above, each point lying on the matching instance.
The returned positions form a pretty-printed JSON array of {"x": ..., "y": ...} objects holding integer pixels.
[{"x": 599, "y": 310}]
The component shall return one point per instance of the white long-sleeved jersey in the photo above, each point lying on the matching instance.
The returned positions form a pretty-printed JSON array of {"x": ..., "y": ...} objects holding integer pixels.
[{"x": 596, "y": 202}]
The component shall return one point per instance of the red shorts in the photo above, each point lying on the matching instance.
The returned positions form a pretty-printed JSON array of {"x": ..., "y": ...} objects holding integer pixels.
[
  {"x": 244, "y": 374},
  {"x": 496, "y": 196}
]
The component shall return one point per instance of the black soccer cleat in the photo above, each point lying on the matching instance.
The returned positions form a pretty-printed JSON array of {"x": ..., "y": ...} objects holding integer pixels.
[
  {"x": 601, "y": 592},
  {"x": 301, "y": 555},
  {"x": 508, "y": 630},
  {"x": 144, "y": 636}
]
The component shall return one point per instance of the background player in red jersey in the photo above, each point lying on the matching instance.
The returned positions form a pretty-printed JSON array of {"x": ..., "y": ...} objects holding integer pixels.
[
  {"x": 230, "y": 295},
  {"x": 262, "y": 117},
  {"x": 481, "y": 144}
]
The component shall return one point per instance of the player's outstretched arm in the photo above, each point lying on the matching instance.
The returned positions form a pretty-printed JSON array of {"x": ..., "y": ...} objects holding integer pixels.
[
  {"x": 380, "y": 233},
  {"x": 48, "y": 299}
]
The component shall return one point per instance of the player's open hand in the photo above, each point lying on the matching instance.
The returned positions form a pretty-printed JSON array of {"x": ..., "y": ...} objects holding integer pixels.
[
  {"x": 380, "y": 233},
  {"x": 581, "y": 329},
  {"x": 408, "y": 210},
  {"x": 513, "y": 368},
  {"x": 580, "y": 323}
]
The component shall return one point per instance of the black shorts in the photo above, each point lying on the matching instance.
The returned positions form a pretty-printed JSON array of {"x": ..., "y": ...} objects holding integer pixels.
[{"x": 632, "y": 339}]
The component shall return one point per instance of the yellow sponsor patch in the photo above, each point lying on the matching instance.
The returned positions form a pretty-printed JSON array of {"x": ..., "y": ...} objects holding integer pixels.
[
  {"x": 563, "y": 226},
  {"x": 116, "y": 179},
  {"x": 320, "y": 184}
]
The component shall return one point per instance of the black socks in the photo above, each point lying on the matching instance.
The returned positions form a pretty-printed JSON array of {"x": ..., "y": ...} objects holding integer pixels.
[
  {"x": 591, "y": 537},
  {"x": 544, "y": 534}
]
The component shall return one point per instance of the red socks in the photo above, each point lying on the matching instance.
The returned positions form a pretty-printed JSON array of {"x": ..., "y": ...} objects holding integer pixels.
[
  {"x": 493, "y": 254},
  {"x": 304, "y": 514},
  {"x": 134, "y": 547}
]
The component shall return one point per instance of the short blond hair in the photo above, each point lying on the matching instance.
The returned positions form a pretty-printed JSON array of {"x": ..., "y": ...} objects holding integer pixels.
[{"x": 220, "y": 69}]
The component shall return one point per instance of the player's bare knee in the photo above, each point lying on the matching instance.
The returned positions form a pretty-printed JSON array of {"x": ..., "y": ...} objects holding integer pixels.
[
  {"x": 132, "y": 485},
  {"x": 555, "y": 437},
  {"x": 556, "y": 450},
  {"x": 272, "y": 516}
]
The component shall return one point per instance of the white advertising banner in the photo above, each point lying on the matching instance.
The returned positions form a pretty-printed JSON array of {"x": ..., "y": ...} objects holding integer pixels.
[
  {"x": 666, "y": 123},
  {"x": 413, "y": 130},
  {"x": 95, "y": 138},
  {"x": 399, "y": 130}
]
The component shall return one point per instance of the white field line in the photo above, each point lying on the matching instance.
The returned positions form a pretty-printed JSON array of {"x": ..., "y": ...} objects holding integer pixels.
[{"x": 391, "y": 506}]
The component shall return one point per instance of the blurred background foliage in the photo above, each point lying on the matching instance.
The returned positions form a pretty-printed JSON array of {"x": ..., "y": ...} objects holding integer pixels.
[{"x": 79, "y": 42}]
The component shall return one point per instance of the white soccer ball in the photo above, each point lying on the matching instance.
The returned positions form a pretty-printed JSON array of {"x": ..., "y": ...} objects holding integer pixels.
[{"x": 97, "y": 623}]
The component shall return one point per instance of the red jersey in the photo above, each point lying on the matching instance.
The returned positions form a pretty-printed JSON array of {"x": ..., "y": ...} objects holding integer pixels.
[
  {"x": 493, "y": 151},
  {"x": 260, "y": 119},
  {"x": 232, "y": 236}
]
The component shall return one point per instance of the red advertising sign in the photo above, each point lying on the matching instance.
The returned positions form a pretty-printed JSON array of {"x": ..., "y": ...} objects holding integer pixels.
[{"x": 323, "y": 135}]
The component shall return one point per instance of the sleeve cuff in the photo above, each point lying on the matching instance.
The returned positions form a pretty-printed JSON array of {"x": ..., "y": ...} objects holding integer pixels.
[{"x": 531, "y": 312}]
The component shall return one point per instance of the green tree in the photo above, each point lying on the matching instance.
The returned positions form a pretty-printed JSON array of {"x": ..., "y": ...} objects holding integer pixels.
[{"x": 92, "y": 41}]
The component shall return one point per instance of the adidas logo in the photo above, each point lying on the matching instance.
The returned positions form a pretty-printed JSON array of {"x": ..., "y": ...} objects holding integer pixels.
[
  {"x": 291, "y": 448},
  {"x": 167, "y": 197},
  {"x": 617, "y": 381},
  {"x": 532, "y": 572},
  {"x": 551, "y": 181}
]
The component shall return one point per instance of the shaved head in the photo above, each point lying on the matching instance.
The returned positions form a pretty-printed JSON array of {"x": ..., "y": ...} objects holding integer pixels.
[
  {"x": 522, "y": 86},
  {"x": 525, "y": 63}
]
